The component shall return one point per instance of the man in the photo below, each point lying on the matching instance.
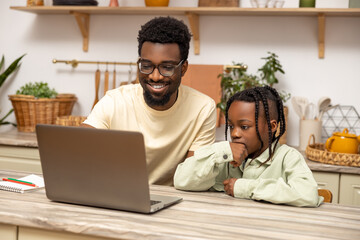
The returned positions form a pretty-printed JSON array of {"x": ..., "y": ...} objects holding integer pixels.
[{"x": 174, "y": 119}]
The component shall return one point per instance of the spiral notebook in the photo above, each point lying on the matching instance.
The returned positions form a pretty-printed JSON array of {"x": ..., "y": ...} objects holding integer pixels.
[{"x": 21, "y": 188}]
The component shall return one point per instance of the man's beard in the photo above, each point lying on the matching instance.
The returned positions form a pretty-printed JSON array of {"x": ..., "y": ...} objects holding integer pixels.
[{"x": 151, "y": 101}]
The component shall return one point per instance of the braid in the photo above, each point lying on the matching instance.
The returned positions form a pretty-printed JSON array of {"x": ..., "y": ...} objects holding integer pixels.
[
  {"x": 228, "y": 103},
  {"x": 264, "y": 100},
  {"x": 257, "y": 100},
  {"x": 280, "y": 110}
]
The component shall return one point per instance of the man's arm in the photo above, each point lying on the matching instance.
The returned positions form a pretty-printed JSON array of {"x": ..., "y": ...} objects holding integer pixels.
[{"x": 206, "y": 126}]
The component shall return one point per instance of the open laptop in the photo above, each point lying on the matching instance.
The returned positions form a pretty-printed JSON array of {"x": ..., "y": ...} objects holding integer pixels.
[{"x": 97, "y": 167}]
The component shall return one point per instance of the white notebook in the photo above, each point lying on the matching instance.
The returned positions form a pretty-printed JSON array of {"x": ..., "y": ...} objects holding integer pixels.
[{"x": 21, "y": 188}]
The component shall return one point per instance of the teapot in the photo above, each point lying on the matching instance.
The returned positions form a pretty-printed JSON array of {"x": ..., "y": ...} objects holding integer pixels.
[{"x": 344, "y": 142}]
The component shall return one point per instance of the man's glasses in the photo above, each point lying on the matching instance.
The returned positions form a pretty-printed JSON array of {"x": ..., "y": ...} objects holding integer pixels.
[{"x": 165, "y": 69}]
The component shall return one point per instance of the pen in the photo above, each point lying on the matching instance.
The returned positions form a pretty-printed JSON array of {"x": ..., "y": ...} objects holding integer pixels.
[{"x": 19, "y": 181}]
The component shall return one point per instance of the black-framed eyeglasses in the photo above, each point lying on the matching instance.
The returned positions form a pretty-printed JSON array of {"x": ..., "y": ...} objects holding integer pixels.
[{"x": 165, "y": 69}]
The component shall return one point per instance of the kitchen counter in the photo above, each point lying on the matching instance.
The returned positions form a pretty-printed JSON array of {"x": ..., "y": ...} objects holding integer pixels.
[
  {"x": 21, "y": 139},
  {"x": 322, "y": 167},
  {"x": 201, "y": 215},
  {"x": 13, "y": 137}
]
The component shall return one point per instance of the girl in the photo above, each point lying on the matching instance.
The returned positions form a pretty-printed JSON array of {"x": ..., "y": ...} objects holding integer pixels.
[{"x": 254, "y": 165}]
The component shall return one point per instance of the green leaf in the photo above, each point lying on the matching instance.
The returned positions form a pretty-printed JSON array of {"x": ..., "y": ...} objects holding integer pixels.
[
  {"x": 2, "y": 62},
  {"x": 38, "y": 90},
  {"x": 2, "y": 120},
  {"x": 14, "y": 65}
]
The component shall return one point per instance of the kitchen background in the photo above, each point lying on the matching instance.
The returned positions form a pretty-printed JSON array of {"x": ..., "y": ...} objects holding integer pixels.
[{"x": 223, "y": 39}]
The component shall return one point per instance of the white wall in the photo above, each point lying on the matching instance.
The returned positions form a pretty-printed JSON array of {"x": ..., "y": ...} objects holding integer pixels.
[{"x": 223, "y": 39}]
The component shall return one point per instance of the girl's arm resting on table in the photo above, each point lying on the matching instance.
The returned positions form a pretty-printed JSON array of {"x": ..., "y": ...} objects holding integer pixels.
[
  {"x": 299, "y": 192},
  {"x": 198, "y": 173},
  {"x": 300, "y": 188}
]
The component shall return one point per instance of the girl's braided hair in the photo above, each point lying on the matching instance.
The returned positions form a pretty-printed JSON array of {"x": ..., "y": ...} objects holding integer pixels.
[{"x": 273, "y": 109}]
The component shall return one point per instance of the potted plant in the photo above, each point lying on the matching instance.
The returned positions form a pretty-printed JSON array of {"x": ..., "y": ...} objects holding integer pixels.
[
  {"x": 3, "y": 76},
  {"x": 37, "y": 90},
  {"x": 268, "y": 71},
  {"x": 37, "y": 103},
  {"x": 237, "y": 79}
]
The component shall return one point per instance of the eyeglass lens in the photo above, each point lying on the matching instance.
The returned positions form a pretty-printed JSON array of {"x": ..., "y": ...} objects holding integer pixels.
[{"x": 165, "y": 69}]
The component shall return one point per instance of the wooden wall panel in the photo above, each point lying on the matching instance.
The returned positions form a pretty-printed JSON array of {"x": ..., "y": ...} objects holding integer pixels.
[{"x": 204, "y": 78}]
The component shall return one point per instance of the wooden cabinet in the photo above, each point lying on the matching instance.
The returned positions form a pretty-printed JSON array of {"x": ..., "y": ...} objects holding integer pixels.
[
  {"x": 349, "y": 189},
  {"x": 20, "y": 158},
  {"x": 344, "y": 187},
  {"x": 8, "y": 232},
  {"x": 329, "y": 181}
]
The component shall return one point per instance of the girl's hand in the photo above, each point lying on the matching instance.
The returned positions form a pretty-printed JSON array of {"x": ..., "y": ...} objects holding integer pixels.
[
  {"x": 229, "y": 186},
  {"x": 239, "y": 153}
]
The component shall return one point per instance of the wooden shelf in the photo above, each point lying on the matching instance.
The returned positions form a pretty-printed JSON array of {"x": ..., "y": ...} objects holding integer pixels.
[
  {"x": 195, "y": 10},
  {"x": 82, "y": 15}
]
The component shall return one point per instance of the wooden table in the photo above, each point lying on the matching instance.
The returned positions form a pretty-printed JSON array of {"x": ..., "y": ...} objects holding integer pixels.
[{"x": 201, "y": 215}]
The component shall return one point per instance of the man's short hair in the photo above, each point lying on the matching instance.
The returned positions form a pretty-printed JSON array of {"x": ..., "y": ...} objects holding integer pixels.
[{"x": 166, "y": 30}]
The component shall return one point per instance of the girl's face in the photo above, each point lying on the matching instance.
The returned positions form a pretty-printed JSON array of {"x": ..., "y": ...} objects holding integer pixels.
[{"x": 241, "y": 120}]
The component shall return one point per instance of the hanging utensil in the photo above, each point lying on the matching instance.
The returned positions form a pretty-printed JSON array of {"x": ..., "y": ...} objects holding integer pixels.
[
  {"x": 106, "y": 81},
  {"x": 97, "y": 85},
  {"x": 114, "y": 77}
]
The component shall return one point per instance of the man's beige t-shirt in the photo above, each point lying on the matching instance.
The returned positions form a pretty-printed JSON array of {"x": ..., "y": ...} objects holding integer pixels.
[{"x": 168, "y": 135}]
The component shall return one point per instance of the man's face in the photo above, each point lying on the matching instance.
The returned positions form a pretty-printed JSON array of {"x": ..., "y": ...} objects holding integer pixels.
[{"x": 160, "y": 92}]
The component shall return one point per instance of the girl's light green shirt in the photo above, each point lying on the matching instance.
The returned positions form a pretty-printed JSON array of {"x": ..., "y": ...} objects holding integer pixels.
[{"x": 286, "y": 179}]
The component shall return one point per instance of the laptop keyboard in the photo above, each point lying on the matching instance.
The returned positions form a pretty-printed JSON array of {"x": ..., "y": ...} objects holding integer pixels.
[{"x": 152, "y": 202}]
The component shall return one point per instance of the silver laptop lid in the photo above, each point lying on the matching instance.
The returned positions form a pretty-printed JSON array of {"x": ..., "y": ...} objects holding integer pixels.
[{"x": 96, "y": 167}]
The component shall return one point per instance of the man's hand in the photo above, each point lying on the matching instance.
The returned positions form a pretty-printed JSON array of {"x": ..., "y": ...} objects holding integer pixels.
[
  {"x": 229, "y": 186},
  {"x": 239, "y": 153}
]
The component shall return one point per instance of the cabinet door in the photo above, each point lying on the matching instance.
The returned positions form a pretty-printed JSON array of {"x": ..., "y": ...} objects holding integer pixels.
[
  {"x": 20, "y": 159},
  {"x": 350, "y": 189},
  {"x": 8, "y": 232},
  {"x": 329, "y": 181}
]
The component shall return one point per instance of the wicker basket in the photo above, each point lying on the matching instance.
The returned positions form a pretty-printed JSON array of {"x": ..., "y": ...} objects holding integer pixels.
[
  {"x": 318, "y": 153},
  {"x": 30, "y": 111},
  {"x": 74, "y": 121}
]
